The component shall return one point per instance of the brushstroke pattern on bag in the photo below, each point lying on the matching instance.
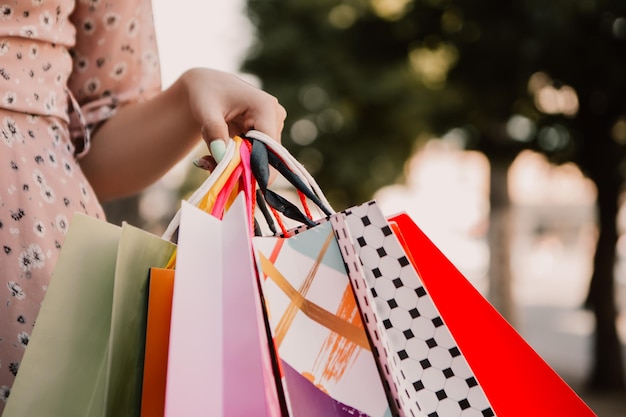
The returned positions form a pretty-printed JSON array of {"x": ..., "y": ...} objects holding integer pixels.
[{"x": 317, "y": 327}]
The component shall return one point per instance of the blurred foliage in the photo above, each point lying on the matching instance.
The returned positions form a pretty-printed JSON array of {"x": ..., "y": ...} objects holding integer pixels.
[{"x": 364, "y": 81}]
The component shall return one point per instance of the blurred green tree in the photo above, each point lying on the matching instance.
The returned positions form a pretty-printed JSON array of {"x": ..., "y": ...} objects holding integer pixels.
[{"x": 366, "y": 81}]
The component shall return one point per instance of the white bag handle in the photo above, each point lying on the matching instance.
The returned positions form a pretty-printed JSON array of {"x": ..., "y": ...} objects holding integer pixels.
[{"x": 197, "y": 195}]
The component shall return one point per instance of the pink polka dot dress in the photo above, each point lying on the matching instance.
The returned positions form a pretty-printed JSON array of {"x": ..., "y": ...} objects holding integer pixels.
[{"x": 65, "y": 66}]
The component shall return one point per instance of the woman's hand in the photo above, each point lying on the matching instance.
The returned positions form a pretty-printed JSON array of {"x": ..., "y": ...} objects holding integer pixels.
[
  {"x": 142, "y": 141},
  {"x": 226, "y": 106}
]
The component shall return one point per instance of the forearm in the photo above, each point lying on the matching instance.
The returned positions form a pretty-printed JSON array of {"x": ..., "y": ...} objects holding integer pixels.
[
  {"x": 140, "y": 143},
  {"x": 143, "y": 141}
]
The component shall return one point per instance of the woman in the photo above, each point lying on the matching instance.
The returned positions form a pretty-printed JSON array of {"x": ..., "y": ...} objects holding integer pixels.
[{"x": 83, "y": 120}]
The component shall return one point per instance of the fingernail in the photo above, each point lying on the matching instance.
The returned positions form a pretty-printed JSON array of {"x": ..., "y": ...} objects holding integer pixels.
[
  {"x": 218, "y": 149},
  {"x": 202, "y": 164}
]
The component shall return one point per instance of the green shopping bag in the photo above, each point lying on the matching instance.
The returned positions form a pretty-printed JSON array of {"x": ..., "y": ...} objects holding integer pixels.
[{"x": 85, "y": 355}]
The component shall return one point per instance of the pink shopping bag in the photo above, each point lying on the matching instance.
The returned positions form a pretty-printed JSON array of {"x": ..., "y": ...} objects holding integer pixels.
[{"x": 219, "y": 360}]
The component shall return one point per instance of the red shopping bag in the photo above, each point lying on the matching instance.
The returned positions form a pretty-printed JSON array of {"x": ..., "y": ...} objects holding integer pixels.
[{"x": 516, "y": 380}]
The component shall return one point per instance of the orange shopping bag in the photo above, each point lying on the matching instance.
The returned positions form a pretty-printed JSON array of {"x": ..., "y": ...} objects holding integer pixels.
[{"x": 161, "y": 287}]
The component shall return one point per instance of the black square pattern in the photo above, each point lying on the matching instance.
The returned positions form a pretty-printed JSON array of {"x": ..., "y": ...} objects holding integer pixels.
[{"x": 421, "y": 359}]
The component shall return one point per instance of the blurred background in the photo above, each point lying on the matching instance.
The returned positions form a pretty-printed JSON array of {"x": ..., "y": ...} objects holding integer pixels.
[{"x": 500, "y": 127}]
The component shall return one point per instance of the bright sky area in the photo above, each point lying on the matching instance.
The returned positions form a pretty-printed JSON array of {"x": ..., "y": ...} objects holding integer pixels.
[{"x": 200, "y": 33}]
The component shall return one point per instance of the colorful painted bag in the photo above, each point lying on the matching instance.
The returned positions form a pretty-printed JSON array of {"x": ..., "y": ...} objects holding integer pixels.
[{"x": 326, "y": 360}]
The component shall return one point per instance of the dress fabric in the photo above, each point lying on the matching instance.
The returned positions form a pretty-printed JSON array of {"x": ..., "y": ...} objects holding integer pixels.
[{"x": 65, "y": 66}]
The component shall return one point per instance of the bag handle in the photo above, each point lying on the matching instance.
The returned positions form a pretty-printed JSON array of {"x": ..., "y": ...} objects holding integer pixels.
[
  {"x": 292, "y": 163},
  {"x": 236, "y": 177},
  {"x": 259, "y": 161},
  {"x": 223, "y": 181},
  {"x": 262, "y": 158},
  {"x": 241, "y": 179},
  {"x": 221, "y": 173},
  {"x": 264, "y": 152}
]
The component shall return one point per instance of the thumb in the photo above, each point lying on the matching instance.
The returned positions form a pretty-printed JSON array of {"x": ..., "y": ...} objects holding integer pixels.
[
  {"x": 218, "y": 149},
  {"x": 215, "y": 135}
]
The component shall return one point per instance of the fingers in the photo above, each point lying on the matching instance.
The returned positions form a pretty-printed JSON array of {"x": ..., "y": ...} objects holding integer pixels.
[
  {"x": 214, "y": 127},
  {"x": 270, "y": 119},
  {"x": 218, "y": 149},
  {"x": 250, "y": 109},
  {"x": 227, "y": 106},
  {"x": 207, "y": 163}
]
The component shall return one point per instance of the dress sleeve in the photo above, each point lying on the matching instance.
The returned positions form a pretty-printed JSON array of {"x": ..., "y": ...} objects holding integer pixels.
[{"x": 115, "y": 60}]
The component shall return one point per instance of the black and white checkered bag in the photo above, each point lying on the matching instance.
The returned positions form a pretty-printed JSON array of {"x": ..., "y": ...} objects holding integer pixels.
[{"x": 423, "y": 368}]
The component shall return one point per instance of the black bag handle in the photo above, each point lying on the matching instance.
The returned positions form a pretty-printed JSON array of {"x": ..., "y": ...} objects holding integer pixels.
[
  {"x": 261, "y": 156},
  {"x": 259, "y": 164}
]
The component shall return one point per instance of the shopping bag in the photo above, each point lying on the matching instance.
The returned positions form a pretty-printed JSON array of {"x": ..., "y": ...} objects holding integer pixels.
[
  {"x": 198, "y": 375},
  {"x": 58, "y": 378},
  {"x": 138, "y": 252},
  {"x": 216, "y": 299},
  {"x": 160, "y": 292},
  {"x": 441, "y": 348},
  {"x": 436, "y": 379},
  {"x": 502, "y": 361},
  {"x": 85, "y": 355},
  {"x": 219, "y": 361},
  {"x": 327, "y": 366},
  {"x": 444, "y": 350}
]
